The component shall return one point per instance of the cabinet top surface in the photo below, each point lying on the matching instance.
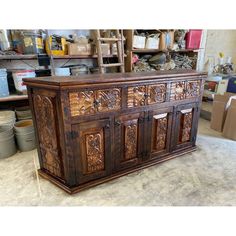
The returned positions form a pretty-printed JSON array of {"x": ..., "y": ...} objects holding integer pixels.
[{"x": 112, "y": 77}]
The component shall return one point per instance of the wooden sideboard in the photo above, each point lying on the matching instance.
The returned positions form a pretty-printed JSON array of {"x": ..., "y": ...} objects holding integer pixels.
[{"x": 94, "y": 128}]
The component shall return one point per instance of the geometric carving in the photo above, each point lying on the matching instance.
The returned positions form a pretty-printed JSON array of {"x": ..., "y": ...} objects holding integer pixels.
[
  {"x": 82, "y": 103},
  {"x": 45, "y": 121},
  {"x": 94, "y": 151},
  {"x": 156, "y": 93},
  {"x": 90, "y": 102},
  {"x": 109, "y": 100},
  {"x": 185, "y": 126},
  {"x": 131, "y": 139},
  {"x": 192, "y": 88},
  {"x": 136, "y": 96},
  {"x": 177, "y": 91},
  {"x": 160, "y": 132}
]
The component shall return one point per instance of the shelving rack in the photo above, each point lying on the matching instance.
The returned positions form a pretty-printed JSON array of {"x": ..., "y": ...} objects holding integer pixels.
[{"x": 130, "y": 50}]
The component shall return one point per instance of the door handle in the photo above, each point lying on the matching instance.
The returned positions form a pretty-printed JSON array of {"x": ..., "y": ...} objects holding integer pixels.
[
  {"x": 117, "y": 123},
  {"x": 107, "y": 126}
]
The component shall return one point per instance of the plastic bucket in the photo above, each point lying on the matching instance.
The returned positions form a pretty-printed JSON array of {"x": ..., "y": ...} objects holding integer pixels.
[
  {"x": 7, "y": 118},
  {"x": 4, "y": 90},
  {"x": 7, "y": 146},
  {"x": 6, "y": 131},
  {"x": 23, "y": 113},
  {"x": 19, "y": 75},
  {"x": 26, "y": 141},
  {"x": 24, "y": 126},
  {"x": 79, "y": 70},
  {"x": 62, "y": 71}
]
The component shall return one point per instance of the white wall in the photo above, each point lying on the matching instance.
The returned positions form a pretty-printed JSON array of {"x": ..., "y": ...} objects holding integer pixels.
[{"x": 219, "y": 41}]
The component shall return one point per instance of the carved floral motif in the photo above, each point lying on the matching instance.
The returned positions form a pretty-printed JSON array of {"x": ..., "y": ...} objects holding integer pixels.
[
  {"x": 90, "y": 102},
  {"x": 161, "y": 126},
  {"x": 109, "y": 100},
  {"x": 193, "y": 89},
  {"x": 82, "y": 103},
  {"x": 177, "y": 91},
  {"x": 186, "y": 126},
  {"x": 131, "y": 135},
  {"x": 136, "y": 96},
  {"x": 95, "y": 152},
  {"x": 45, "y": 121},
  {"x": 156, "y": 93}
]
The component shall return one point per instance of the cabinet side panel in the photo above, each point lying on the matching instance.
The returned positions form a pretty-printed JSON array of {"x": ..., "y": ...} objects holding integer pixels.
[{"x": 45, "y": 116}]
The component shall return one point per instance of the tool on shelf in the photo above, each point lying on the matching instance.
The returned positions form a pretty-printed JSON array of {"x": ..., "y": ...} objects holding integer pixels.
[{"x": 118, "y": 39}]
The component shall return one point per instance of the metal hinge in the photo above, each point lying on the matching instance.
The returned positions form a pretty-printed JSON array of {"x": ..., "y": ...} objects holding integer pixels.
[
  {"x": 72, "y": 135},
  {"x": 66, "y": 111}
]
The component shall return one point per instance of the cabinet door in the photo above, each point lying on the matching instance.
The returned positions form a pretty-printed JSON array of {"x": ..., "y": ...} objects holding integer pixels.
[
  {"x": 159, "y": 125},
  {"x": 92, "y": 150},
  {"x": 185, "y": 127},
  {"x": 128, "y": 140}
]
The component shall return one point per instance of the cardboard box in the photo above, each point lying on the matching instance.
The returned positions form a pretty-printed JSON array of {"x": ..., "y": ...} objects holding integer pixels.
[
  {"x": 106, "y": 50},
  {"x": 229, "y": 130},
  {"x": 77, "y": 49},
  {"x": 219, "y": 111},
  {"x": 139, "y": 41}
]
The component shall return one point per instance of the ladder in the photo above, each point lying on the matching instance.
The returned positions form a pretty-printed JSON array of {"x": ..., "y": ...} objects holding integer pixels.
[{"x": 118, "y": 39}]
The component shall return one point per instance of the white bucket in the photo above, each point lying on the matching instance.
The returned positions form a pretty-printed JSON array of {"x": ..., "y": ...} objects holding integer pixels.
[
  {"x": 19, "y": 75},
  {"x": 7, "y": 118},
  {"x": 62, "y": 71}
]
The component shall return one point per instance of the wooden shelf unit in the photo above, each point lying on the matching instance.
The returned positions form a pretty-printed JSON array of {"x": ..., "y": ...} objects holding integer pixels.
[
  {"x": 130, "y": 50},
  {"x": 32, "y": 57},
  {"x": 14, "y": 97}
]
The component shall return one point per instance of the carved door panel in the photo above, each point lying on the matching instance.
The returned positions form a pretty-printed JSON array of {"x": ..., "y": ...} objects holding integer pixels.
[
  {"x": 128, "y": 140},
  {"x": 92, "y": 147},
  {"x": 185, "y": 128},
  {"x": 158, "y": 129}
]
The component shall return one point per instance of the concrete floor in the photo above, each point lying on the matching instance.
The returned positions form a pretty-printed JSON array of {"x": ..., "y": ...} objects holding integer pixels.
[{"x": 206, "y": 177}]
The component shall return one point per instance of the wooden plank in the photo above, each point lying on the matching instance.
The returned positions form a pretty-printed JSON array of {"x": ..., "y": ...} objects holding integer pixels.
[
  {"x": 112, "y": 65},
  {"x": 32, "y": 57},
  {"x": 109, "y": 39},
  {"x": 14, "y": 98}
]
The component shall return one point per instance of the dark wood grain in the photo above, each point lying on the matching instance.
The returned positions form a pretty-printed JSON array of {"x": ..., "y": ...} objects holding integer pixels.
[{"x": 89, "y": 133}]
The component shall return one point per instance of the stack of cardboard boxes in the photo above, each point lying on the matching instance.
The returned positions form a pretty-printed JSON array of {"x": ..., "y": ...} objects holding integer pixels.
[{"x": 223, "y": 117}]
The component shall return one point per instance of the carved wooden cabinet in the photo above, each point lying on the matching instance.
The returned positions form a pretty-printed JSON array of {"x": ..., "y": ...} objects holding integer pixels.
[{"x": 94, "y": 128}]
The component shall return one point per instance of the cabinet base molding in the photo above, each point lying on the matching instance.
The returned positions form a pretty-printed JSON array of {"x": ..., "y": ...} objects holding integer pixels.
[{"x": 73, "y": 190}]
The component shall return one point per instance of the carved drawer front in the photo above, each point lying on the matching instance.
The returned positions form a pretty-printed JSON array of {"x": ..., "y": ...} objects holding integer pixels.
[
  {"x": 82, "y": 103},
  {"x": 45, "y": 115},
  {"x": 177, "y": 91},
  {"x": 193, "y": 88},
  {"x": 156, "y": 93},
  {"x": 128, "y": 131},
  {"x": 91, "y": 102},
  {"x": 109, "y": 100},
  {"x": 137, "y": 96},
  {"x": 186, "y": 118},
  {"x": 92, "y": 149}
]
